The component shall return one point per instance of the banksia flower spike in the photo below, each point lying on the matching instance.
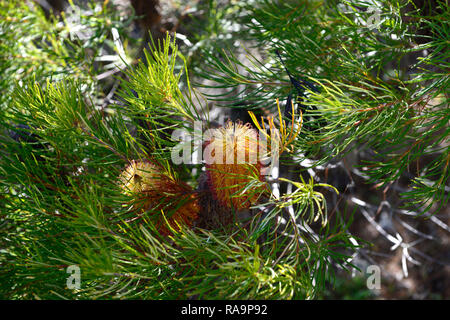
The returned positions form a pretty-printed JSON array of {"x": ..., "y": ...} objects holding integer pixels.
[
  {"x": 233, "y": 156},
  {"x": 167, "y": 200}
]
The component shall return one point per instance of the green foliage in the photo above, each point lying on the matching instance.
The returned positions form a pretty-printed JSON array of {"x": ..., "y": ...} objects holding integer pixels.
[
  {"x": 353, "y": 289},
  {"x": 38, "y": 48},
  {"x": 401, "y": 114},
  {"x": 60, "y": 199},
  {"x": 67, "y": 189}
]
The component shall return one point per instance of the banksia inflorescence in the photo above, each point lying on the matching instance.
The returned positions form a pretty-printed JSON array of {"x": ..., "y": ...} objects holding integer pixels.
[
  {"x": 233, "y": 181},
  {"x": 233, "y": 156},
  {"x": 155, "y": 192}
]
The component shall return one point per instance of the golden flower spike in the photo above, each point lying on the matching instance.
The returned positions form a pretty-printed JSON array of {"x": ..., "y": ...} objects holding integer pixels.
[
  {"x": 173, "y": 202},
  {"x": 232, "y": 163}
]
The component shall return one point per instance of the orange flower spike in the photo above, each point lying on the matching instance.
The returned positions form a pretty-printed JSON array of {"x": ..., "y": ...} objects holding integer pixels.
[
  {"x": 232, "y": 160},
  {"x": 154, "y": 190}
]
